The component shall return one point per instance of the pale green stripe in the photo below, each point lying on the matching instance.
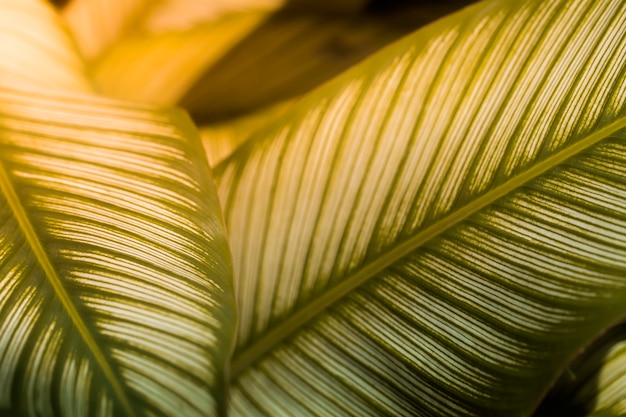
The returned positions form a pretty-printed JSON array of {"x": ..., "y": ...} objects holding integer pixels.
[
  {"x": 45, "y": 263},
  {"x": 275, "y": 336}
]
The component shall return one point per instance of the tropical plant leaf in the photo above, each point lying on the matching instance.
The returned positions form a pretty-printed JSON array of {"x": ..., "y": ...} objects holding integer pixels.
[
  {"x": 241, "y": 62},
  {"x": 177, "y": 14},
  {"x": 595, "y": 383},
  {"x": 441, "y": 229},
  {"x": 173, "y": 60},
  {"x": 115, "y": 282},
  {"x": 220, "y": 140},
  {"x": 284, "y": 58},
  {"x": 26, "y": 51},
  {"x": 97, "y": 24}
]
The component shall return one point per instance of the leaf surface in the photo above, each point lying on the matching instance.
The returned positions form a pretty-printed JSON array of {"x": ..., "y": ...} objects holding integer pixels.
[
  {"x": 98, "y": 24},
  {"x": 115, "y": 281},
  {"x": 162, "y": 67},
  {"x": 241, "y": 62},
  {"x": 33, "y": 37},
  {"x": 285, "y": 57},
  {"x": 439, "y": 230},
  {"x": 220, "y": 140}
]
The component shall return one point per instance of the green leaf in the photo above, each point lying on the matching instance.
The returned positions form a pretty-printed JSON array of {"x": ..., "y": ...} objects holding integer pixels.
[
  {"x": 27, "y": 51},
  {"x": 115, "y": 281},
  {"x": 441, "y": 229},
  {"x": 220, "y": 140}
]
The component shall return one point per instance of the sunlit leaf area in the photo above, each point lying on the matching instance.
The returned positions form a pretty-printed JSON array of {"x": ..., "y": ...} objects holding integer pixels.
[{"x": 312, "y": 208}]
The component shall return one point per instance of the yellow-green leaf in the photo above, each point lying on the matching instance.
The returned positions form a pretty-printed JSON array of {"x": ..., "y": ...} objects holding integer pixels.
[
  {"x": 439, "y": 230},
  {"x": 222, "y": 139},
  {"x": 115, "y": 281}
]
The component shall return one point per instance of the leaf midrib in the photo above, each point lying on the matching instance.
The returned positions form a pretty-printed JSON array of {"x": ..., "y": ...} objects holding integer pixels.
[
  {"x": 7, "y": 188},
  {"x": 298, "y": 318}
]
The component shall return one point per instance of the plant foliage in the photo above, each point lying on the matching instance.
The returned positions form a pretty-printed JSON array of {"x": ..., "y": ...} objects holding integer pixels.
[{"x": 440, "y": 230}]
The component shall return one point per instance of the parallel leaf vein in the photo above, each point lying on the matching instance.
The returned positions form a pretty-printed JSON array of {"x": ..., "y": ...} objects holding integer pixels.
[
  {"x": 290, "y": 325},
  {"x": 40, "y": 253}
]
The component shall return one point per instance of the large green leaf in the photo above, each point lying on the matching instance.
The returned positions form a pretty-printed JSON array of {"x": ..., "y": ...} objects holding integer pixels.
[
  {"x": 442, "y": 228},
  {"x": 115, "y": 281}
]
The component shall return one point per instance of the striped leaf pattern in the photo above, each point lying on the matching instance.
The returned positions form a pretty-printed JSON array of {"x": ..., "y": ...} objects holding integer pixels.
[
  {"x": 439, "y": 230},
  {"x": 115, "y": 280},
  {"x": 220, "y": 140}
]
